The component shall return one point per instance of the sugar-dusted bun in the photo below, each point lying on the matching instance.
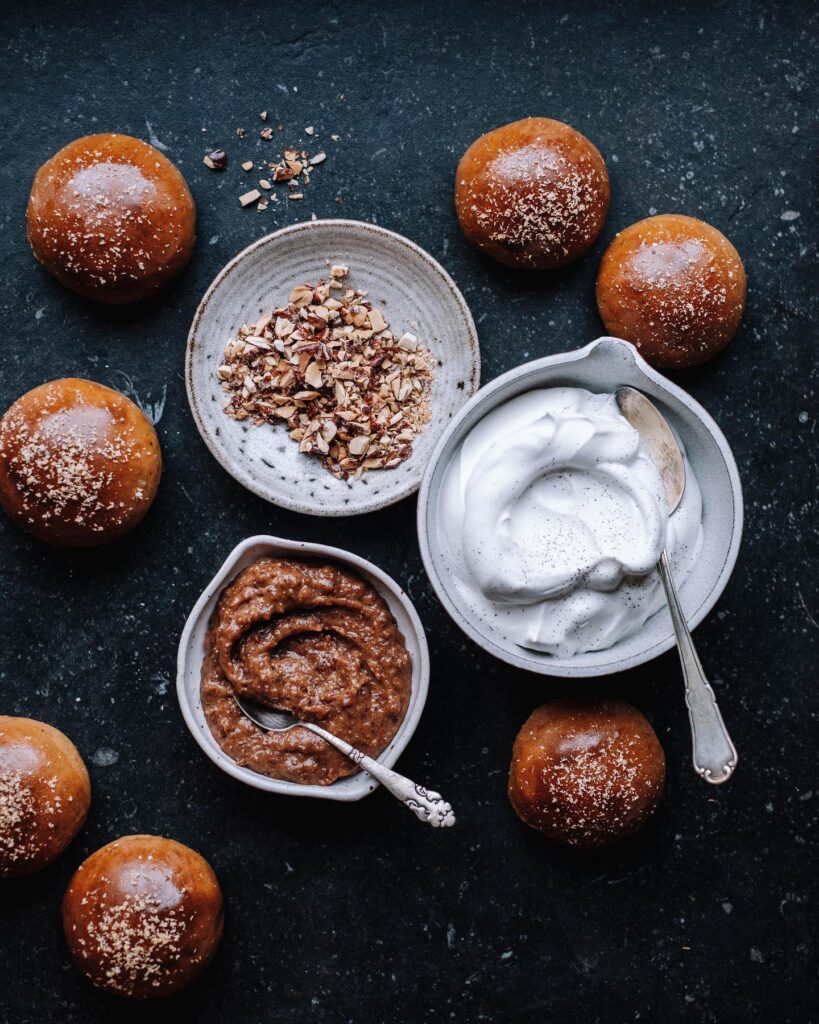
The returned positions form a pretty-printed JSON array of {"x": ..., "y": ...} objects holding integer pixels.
[
  {"x": 143, "y": 916},
  {"x": 586, "y": 773},
  {"x": 44, "y": 794},
  {"x": 79, "y": 463},
  {"x": 534, "y": 193},
  {"x": 675, "y": 287},
  {"x": 111, "y": 218}
]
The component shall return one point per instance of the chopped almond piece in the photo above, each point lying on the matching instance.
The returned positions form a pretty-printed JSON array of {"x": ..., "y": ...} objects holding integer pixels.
[{"x": 313, "y": 376}]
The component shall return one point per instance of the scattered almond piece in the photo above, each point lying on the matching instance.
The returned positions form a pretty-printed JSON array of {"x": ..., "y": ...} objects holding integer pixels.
[
  {"x": 250, "y": 197},
  {"x": 216, "y": 160},
  {"x": 309, "y": 131},
  {"x": 247, "y": 165}
]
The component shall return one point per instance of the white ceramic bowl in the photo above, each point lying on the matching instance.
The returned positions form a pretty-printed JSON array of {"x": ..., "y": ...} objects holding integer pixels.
[
  {"x": 405, "y": 282},
  {"x": 192, "y": 648},
  {"x": 600, "y": 367}
]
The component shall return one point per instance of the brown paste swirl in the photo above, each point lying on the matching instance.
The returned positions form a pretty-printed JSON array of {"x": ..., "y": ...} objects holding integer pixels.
[{"x": 313, "y": 639}]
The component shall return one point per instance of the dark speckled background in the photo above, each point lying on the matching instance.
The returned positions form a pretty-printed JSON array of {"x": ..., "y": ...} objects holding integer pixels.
[{"x": 358, "y": 913}]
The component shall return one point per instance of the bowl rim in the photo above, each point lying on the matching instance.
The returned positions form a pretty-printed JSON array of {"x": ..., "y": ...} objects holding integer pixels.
[
  {"x": 541, "y": 665},
  {"x": 471, "y": 343},
  {"x": 360, "y": 784}
]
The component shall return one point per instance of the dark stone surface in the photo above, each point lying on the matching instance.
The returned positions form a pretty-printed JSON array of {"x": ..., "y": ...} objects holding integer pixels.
[{"x": 358, "y": 913}]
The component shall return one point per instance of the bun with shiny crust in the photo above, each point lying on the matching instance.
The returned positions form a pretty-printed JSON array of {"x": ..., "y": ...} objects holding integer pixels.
[
  {"x": 111, "y": 218},
  {"x": 586, "y": 773},
  {"x": 79, "y": 463},
  {"x": 533, "y": 194},
  {"x": 673, "y": 286},
  {"x": 45, "y": 793},
  {"x": 143, "y": 916}
]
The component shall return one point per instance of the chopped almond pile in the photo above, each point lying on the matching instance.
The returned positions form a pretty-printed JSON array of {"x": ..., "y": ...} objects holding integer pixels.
[{"x": 329, "y": 367}]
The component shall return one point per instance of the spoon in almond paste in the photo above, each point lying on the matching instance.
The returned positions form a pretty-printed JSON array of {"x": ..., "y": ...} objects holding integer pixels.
[
  {"x": 714, "y": 755},
  {"x": 424, "y": 803}
]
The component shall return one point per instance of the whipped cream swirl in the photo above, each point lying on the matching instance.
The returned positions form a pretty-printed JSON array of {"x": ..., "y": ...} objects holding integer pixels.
[{"x": 554, "y": 516}]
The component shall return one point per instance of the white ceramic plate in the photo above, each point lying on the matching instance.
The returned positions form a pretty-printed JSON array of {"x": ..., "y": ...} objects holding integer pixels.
[
  {"x": 192, "y": 652},
  {"x": 600, "y": 367},
  {"x": 406, "y": 283}
]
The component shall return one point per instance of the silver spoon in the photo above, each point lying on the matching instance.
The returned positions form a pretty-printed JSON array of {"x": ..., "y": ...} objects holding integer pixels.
[
  {"x": 714, "y": 755},
  {"x": 424, "y": 803}
]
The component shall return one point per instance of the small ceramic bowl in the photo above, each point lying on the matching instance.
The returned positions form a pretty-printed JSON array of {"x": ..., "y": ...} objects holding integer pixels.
[
  {"x": 413, "y": 291},
  {"x": 600, "y": 367},
  {"x": 192, "y": 649}
]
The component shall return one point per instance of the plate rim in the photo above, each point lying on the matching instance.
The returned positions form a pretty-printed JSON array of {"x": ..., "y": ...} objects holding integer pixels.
[{"x": 471, "y": 387}]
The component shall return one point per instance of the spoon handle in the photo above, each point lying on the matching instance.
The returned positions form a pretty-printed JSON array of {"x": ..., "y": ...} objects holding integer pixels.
[
  {"x": 424, "y": 803},
  {"x": 714, "y": 755}
]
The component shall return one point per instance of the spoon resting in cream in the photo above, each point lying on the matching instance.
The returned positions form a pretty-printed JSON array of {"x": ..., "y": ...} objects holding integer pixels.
[{"x": 714, "y": 755}]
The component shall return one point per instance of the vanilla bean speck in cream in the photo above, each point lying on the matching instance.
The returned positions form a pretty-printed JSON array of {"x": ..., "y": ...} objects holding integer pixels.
[{"x": 554, "y": 518}]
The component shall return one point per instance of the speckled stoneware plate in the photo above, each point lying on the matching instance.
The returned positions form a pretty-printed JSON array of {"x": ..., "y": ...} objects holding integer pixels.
[
  {"x": 407, "y": 284},
  {"x": 192, "y": 651},
  {"x": 600, "y": 367}
]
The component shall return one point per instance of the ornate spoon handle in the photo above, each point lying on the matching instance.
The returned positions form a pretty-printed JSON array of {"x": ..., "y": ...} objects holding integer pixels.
[
  {"x": 424, "y": 803},
  {"x": 714, "y": 755}
]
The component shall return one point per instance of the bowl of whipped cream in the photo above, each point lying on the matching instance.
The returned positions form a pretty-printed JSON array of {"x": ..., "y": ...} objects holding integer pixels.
[{"x": 542, "y": 516}]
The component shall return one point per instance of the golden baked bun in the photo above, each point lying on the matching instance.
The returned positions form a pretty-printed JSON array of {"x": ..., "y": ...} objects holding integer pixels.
[
  {"x": 143, "y": 916},
  {"x": 675, "y": 287},
  {"x": 79, "y": 463},
  {"x": 586, "y": 773},
  {"x": 534, "y": 193},
  {"x": 111, "y": 218},
  {"x": 45, "y": 793}
]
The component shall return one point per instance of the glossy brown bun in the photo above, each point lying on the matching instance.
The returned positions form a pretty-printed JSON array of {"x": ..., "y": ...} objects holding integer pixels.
[
  {"x": 44, "y": 794},
  {"x": 79, "y": 463},
  {"x": 533, "y": 194},
  {"x": 143, "y": 916},
  {"x": 675, "y": 287},
  {"x": 586, "y": 773},
  {"x": 111, "y": 218}
]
